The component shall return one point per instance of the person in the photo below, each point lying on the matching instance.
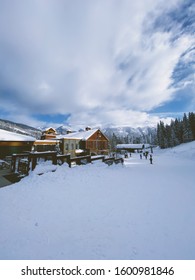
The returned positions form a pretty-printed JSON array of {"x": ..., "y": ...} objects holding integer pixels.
[
  {"x": 150, "y": 159},
  {"x": 146, "y": 154},
  {"x": 140, "y": 156}
]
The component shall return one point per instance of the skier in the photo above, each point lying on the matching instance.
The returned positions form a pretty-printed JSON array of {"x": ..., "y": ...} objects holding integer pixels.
[
  {"x": 150, "y": 159},
  {"x": 146, "y": 154},
  {"x": 140, "y": 156}
]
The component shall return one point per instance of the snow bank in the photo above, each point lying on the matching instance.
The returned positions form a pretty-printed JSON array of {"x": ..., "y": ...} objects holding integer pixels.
[{"x": 131, "y": 211}]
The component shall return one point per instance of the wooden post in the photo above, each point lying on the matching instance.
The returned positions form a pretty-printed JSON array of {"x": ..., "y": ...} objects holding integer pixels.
[
  {"x": 89, "y": 159},
  {"x": 13, "y": 163},
  {"x": 54, "y": 159},
  {"x": 68, "y": 160},
  {"x": 34, "y": 162}
]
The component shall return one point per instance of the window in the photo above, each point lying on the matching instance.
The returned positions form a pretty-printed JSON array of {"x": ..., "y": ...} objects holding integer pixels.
[
  {"x": 72, "y": 146},
  {"x": 67, "y": 147}
]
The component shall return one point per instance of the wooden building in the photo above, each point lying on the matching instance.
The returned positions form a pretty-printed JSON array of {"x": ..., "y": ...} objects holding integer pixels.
[
  {"x": 46, "y": 145},
  {"x": 11, "y": 143},
  {"x": 49, "y": 133},
  {"x": 90, "y": 141},
  {"x": 132, "y": 147}
]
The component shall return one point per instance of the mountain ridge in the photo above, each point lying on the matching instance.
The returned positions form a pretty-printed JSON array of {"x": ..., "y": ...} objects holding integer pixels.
[{"x": 122, "y": 134}]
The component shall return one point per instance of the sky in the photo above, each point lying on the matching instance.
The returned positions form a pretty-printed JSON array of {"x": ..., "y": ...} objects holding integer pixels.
[{"x": 117, "y": 63}]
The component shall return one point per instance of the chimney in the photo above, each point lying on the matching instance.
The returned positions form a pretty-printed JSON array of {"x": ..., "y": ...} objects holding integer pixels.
[
  {"x": 88, "y": 128},
  {"x": 68, "y": 131}
]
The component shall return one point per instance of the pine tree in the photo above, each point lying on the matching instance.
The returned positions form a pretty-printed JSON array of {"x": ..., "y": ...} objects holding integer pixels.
[
  {"x": 161, "y": 135},
  {"x": 187, "y": 133},
  {"x": 179, "y": 131},
  {"x": 191, "y": 117}
]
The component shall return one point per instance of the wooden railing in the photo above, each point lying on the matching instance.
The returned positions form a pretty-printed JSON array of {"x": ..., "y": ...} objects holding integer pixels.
[{"x": 26, "y": 161}]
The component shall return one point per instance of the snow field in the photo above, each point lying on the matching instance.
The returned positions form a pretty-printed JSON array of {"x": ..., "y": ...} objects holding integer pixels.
[{"x": 134, "y": 211}]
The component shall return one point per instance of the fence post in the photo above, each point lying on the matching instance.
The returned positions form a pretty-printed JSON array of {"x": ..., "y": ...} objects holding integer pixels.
[
  {"x": 54, "y": 159},
  {"x": 34, "y": 162},
  {"x": 68, "y": 160},
  {"x": 13, "y": 163}
]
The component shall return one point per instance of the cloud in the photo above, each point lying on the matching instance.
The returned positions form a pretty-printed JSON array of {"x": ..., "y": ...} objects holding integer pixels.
[
  {"x": 117, "y": 117},
  {"x": 100, "y": 61}
]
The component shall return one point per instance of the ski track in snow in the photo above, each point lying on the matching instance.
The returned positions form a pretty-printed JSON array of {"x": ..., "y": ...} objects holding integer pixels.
[{"x": 134, "y": 211}]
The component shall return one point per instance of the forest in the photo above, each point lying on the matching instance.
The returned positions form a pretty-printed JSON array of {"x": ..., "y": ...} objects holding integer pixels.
[{"x": 179, "y": 131}]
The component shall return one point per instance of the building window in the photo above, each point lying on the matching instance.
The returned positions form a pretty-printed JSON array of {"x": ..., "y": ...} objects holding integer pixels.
[
  {"x": 67, "y": 147},
  {"x": 72, "y": 146}
]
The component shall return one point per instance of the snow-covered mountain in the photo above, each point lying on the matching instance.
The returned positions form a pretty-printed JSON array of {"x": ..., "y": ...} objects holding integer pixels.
[
  {"x": 64, "y": 128},
  {"x": 131, "y": 135},
  {"x": 20, "y": 128},
  {"x": 121, "y": 131},
  {"x": 122, "y": 134}
]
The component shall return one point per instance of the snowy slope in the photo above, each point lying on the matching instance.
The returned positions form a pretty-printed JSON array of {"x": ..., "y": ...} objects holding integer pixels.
[
  {"x": 135, "y": 211},
  {"x": 19, "y": 128},
  {"x": 11, "y": 136}
]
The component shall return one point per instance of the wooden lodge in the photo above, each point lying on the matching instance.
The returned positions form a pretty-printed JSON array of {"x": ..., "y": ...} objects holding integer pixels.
[
  {"x": 11, "y": 143},
  {"x": 49, "y": 133},
  {"x": 132, "y": 147},
  {"x": 46, "y": 145},
  {"x": 90, "y": 141}
]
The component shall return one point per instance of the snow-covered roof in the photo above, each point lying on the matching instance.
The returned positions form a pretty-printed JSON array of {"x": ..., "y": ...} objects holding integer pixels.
[
  {"x": 83, "y": 135},
  {"x": 132, "y": 146},
  {"x": 48, "y": 128},
  {"x": 47, "y": 141},
  {"x": 12, "y": 136}
]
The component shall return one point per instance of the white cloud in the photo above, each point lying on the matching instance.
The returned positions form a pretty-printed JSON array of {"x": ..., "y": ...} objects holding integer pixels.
[
  {"x": 93, "y": 59},
  {"x": 117, "y": 117}
]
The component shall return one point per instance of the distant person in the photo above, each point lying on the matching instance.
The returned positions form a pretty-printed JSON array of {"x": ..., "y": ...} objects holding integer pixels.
[
  {"x": 151, "y": 159},
  {"x": 140, "y": 156},
  {"x": 146, "y": 154}
]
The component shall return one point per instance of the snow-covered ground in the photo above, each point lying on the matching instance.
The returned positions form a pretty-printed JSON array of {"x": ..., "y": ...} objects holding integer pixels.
[{"x": 134, "y": 211}]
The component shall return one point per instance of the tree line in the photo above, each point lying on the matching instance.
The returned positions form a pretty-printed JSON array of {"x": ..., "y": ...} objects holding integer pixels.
[
  {"x": 149, "y": 137},
  {"x": 179, "y": 131}
]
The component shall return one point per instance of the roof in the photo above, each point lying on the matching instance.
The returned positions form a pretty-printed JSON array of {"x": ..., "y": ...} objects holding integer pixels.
[
  {"x": 83, "y": 135},
  {"x": 12, "y": 136},
  {"x": 132, "y": 146},
  {"x": 49, "y": 128}
]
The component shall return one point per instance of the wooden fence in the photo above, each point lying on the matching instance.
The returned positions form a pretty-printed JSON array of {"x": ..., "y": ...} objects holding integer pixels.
[{"x": 23, "y": 163}]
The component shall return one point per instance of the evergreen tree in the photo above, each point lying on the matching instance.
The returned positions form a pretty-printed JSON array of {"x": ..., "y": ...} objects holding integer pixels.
[
  {"x": 191, "y": 117},
  {"x": 179, "y": 131},
  {"x": 187, "y": 133},
  {"x": 161, "y": 135}
]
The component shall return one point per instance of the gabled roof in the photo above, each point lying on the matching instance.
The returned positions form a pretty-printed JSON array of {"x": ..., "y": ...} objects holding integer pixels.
[
  {"x": 83, "y": 135},
  {"x": 12, "y": 136},
  {"x": 49, "y": 128}
]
